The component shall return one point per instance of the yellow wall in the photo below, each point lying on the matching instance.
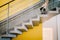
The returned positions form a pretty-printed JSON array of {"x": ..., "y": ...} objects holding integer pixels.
[
  {"x": 32, "y": 34},
  {"x": 15, "y": 7}
]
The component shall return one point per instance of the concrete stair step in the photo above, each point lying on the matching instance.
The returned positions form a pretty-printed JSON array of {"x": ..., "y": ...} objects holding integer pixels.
[
  {"x": 8, "y": 36},
  {"x": 36, "y": 20},
  {"x": 15, "y": 31},
  {"x": 28, "y": 24},
  {"x": 21, "y": 27}
]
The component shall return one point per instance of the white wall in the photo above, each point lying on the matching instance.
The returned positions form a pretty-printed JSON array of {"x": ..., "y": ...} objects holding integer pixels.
[
  {"x": 47, "y": 34},
  {"x": 52, "y": 23},
  {"x": 58, "y": 17}
]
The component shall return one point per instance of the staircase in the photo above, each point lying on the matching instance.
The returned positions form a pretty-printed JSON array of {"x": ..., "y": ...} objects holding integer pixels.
[{"x": 24, "y": 26}]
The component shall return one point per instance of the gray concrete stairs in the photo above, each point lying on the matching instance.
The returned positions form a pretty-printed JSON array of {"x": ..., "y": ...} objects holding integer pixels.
[{"x": 23, "y": 27}]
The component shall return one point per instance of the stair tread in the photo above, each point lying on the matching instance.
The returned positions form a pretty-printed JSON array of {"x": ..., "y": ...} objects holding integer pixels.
[
  {"x": 22, "y": 28},
  {"x": 37, "y": 18},
  {"x": 44, "y": 15},
  {"x": 53, "y": 11},
  {"x": 16, "y": 32},
  {"x": 8, "y": 35},
  {"x": 28, "y": 22}
]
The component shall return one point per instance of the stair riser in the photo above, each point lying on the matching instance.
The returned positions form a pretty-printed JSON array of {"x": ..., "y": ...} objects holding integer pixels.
[
  {"x": 29, "y": 26},
  {"x": 35, "y": 23}
]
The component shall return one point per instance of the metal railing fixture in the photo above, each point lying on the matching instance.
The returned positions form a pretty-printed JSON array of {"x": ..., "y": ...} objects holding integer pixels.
[
  {"x": 7, "y": 28},
  {"x": 6, "y": 3}
]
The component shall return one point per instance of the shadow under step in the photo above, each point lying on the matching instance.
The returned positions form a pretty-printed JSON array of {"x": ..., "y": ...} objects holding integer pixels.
[
  {"x": 28, "y": 24},
  {"x": 36, "y": 20}
]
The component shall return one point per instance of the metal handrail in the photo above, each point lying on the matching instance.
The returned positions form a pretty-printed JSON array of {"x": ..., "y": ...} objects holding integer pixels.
[{"x": 6, "y": 3}]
